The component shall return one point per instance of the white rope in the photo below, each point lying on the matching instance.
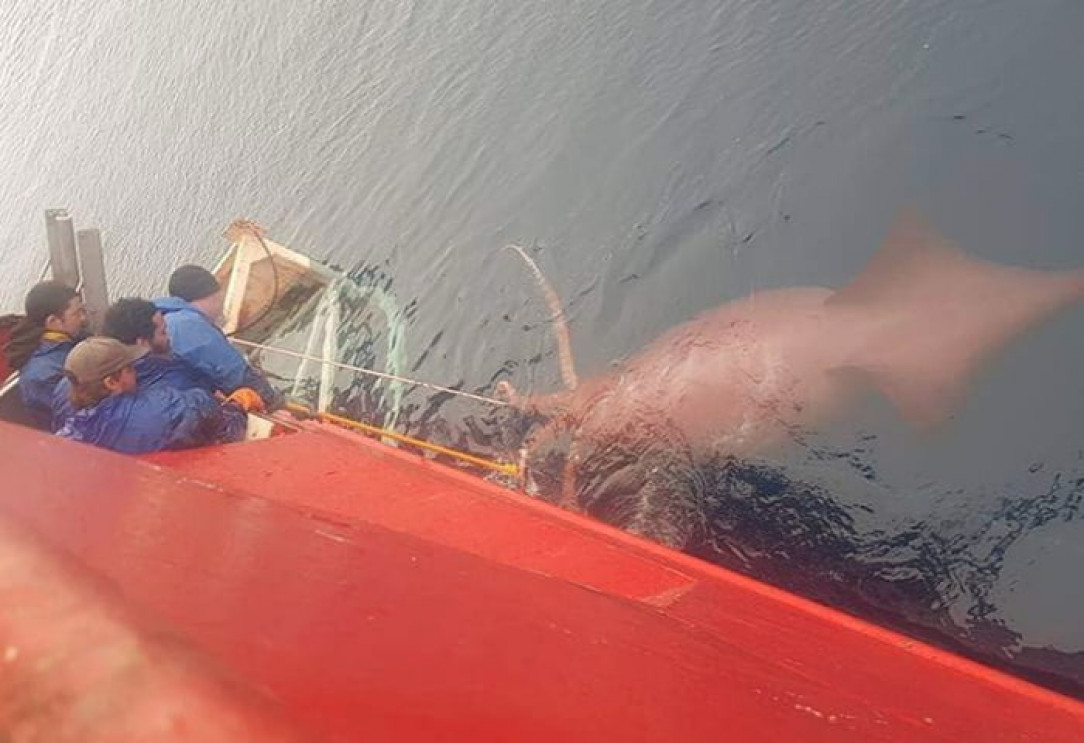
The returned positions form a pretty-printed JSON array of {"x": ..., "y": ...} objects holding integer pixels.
[
  {"x": 9, "y": 384},
  {"x": 370, "y": 372}
]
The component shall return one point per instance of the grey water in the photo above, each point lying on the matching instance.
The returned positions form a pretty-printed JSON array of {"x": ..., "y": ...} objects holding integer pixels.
[{"x": 657, "y": 158}]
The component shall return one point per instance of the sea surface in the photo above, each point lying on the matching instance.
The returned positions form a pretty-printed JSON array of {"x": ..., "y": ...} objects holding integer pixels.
[{"x": 656, "y": 159}]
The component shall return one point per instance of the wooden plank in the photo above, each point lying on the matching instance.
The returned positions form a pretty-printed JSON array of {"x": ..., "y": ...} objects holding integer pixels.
[{"x": 237, "y": 287}]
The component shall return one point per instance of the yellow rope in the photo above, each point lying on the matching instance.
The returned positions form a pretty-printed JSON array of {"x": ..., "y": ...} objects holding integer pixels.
[{"x": 504, "y": 468}]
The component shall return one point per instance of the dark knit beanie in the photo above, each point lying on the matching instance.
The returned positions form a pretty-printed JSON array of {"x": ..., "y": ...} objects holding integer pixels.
[{"x": 192, "y": 283}]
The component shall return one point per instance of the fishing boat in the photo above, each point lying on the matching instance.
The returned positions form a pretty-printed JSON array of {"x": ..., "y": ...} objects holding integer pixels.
[{"x": 318, "y": 582}]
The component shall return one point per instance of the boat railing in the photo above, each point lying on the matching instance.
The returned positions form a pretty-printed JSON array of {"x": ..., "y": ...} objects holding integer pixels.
[
  {"x": 324, "y": 361},
  {"x": 510, "y": 469}
]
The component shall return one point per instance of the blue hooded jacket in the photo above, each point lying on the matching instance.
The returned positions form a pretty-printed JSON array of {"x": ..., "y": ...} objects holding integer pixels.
[
  {"x": 39, "y": 377},
  {"x": 151, "y": 370},
  {"x": 155, "y": 419},
  {"x": 154, "y": 369},
  {"x": 202, "y": 345}
]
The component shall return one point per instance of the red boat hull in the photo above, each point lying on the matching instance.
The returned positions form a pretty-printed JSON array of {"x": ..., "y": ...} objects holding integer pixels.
[{"x": 370, "y": 594}]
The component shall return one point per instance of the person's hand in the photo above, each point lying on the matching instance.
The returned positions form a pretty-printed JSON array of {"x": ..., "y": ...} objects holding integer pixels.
[{"x": 247, "y": 399}]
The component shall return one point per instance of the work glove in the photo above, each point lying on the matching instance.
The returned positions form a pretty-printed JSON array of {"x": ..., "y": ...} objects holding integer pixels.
[{"x": 247, "y": 399}]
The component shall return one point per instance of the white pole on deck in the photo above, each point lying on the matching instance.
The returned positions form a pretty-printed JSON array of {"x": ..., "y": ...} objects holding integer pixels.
[
  {"x": 331, "y": 350},
  {"x": 92, "y": 267},
  {"x": 61, "y": 236},
  {"x": 315, "y": 333}
]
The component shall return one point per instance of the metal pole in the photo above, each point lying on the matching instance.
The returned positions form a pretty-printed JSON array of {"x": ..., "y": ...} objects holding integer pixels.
[
  {"x": 61, "y": 235},
  {"x": 95, "y": 289},
  {"x": 310, "y": 344},
  {"x": 328, "y": 371}
]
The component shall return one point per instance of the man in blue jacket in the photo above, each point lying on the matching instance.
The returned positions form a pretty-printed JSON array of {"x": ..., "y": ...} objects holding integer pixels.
[
  {"x": 137, "y": 322},
  {"x": 113, "y": 411},
  {"x": 55, "y": 319},
  {"x": 192, "y": 312}
]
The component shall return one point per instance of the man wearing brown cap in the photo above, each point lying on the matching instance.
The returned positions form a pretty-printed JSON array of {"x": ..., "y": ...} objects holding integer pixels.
[
  {"x": 192, "y": 312},
  {"x": 113, "y": 411}
]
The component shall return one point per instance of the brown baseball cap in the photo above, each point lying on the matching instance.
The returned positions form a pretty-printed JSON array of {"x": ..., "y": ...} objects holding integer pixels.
[{"x": 96, "y": 358}]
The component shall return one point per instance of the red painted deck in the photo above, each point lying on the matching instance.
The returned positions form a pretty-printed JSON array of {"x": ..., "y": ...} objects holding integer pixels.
[
  {"x": 375, "y": 595},
  {"x": 78, "y": 666}
]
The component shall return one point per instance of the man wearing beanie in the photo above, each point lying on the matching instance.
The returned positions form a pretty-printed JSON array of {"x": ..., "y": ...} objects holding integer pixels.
[{"x": 192, "y": 313}]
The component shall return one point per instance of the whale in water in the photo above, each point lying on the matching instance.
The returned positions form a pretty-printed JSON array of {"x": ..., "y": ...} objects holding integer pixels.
[{"x": 744, "y": 377}]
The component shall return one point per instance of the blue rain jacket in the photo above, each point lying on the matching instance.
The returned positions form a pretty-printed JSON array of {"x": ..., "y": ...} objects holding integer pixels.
[
  {"x": 151, "y": 371},
  {"x": 202, "y": 345},
  {"x": 154, "y": 419},
  {"x": 39, "y": 377}
]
